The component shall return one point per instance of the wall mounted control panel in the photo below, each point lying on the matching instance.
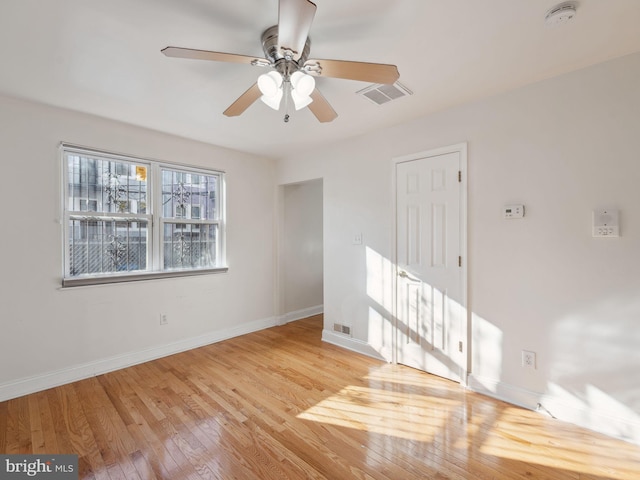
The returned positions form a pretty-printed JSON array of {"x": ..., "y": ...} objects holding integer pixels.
[
  {"x": 606, "y": 223},
  {"x": 513, "y": 211}
]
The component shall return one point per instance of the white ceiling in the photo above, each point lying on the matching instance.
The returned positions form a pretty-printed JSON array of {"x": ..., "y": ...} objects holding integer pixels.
[{"x": 103, "y": 57}]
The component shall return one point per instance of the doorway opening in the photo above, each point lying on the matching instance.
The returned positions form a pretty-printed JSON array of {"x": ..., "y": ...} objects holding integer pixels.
[{"x": 300, "y": 251}]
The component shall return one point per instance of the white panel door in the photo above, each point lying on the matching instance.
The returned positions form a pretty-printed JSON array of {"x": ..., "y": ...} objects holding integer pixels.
[{"x": 431, "y": 316}]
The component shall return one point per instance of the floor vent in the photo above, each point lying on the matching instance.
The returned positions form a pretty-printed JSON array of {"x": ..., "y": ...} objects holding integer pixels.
[
  {"x": 341, "y": 329},
  {"x": 380, "y": 93}
]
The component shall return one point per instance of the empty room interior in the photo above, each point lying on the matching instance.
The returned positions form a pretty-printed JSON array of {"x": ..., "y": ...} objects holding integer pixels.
[{"x": 270, "y": 239}]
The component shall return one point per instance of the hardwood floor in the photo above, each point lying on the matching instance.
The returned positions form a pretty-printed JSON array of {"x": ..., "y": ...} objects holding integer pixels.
[{"x": 280, "y": 404}]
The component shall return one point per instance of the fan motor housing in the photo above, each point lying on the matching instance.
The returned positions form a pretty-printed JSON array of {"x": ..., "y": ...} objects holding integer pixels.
[{"x": 285, "y": 65}]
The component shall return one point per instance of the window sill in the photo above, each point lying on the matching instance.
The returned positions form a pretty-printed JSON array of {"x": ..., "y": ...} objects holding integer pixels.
[{"x": 137, "y": 277}]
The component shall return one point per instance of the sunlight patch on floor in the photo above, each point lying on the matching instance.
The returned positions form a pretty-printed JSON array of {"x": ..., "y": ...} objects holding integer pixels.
[
  {"x": 402, "y": 403},
  {"x": 518, "y": 436},
  {"x": 404, "y": 415}
]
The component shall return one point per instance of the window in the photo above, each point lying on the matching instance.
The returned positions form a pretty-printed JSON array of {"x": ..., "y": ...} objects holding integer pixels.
[{"x": 132, "y": 219}]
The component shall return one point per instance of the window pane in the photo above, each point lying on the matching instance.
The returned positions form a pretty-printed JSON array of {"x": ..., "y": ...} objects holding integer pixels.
[
  {"x": 188, "y": 245},
  {"x": 107, "y": 246},
  {"x": 189, "y": 195},
  {"x": 108, "y": 186}
]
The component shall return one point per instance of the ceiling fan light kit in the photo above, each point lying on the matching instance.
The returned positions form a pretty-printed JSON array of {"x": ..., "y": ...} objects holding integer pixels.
[
  {"x": 273, "y": 86},
  {"x": 286, "y": 47}
]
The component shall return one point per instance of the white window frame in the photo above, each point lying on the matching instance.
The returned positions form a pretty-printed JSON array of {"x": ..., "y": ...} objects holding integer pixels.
[{"x": 153, "y": 215}]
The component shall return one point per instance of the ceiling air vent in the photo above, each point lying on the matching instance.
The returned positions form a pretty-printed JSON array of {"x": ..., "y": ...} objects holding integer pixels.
[{"x": 380, "y": 94}]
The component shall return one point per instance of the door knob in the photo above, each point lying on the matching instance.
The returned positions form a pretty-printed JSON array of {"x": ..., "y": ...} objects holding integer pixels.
[{"x": 403, "y": 274}]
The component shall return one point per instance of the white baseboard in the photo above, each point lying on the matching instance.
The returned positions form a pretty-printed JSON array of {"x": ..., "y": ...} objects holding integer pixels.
[
  {"x": 56, "y": 378},
  {"x": 624, "y": 427},
  {"x": 300, "y": 314},
  {"x": 350, "y": 343}
]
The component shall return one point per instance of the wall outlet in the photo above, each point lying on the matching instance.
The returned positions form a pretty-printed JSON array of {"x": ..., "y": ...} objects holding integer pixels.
[
  {"x": 164, "y": 319},
  {"x": 529, "y": 359}
]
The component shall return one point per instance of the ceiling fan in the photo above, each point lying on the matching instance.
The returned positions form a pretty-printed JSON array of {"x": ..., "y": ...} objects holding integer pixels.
[{"x": 286, "y": 48}]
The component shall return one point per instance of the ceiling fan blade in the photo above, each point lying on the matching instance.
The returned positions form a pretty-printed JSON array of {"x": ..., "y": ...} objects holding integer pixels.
[
  {"x": 244, "y": 101},
  {"x": 323, "y": 111},
  {"x": 365, "y": 72},
  {"x": 178, "y": 52},
  {"x": 294, "y": 22}
]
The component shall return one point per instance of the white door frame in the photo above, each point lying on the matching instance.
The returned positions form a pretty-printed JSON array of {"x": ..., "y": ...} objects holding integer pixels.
[{"x": 460, "y": 148}]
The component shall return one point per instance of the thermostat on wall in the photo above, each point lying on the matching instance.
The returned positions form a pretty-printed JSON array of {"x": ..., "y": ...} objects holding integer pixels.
[
  {"x": 513, "y": 211},
  {"x": 605, "y": 223}
]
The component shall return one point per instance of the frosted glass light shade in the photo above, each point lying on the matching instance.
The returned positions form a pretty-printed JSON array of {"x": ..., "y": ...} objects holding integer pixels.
[
  {"x": 274, "y": 100},
  {"x": 270, "y": 83},
  {"x": 302, "y": 83},
  {"x": 300, "y": 101}
]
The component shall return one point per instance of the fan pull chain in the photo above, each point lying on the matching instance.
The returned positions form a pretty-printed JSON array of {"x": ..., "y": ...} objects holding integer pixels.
[{"x": 287, "y": 94}]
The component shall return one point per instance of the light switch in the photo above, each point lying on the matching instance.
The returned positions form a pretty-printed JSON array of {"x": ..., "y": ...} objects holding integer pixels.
[{"x": 357, "y": 239}]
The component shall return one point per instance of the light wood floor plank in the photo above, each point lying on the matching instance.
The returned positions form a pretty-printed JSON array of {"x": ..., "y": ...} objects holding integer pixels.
[{"x": 282, "y": 404}]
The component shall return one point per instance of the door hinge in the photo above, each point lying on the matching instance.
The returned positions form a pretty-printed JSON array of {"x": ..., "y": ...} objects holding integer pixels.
[
  {"x": 459, "y": 175},
  {"x": 459, "y": 261},
  {"x": 460, "y": 346}
]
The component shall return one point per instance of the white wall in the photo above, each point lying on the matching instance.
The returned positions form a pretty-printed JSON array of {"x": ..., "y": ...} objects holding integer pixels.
[
  {"x": 301, "y": 250},
  {"x": 50, "y": 335},
  {"x": 562, "y": 147}
]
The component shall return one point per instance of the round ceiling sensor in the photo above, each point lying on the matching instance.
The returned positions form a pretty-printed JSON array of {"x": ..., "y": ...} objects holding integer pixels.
[{"x": 560, "y": 14}]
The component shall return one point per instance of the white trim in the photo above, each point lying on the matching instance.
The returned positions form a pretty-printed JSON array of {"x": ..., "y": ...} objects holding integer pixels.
[
  {"x": 278, "y": 253},
  {"x": 462, "y": 149},
  {"x": 625, "y": 428},
  {"x": 300, "y": 314},
  {"x": 137, "y": 277},
  {"x": 25, "y": 386},
  {"x": 503, "y": 391},
  {"x": 352, "y": 344}
]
